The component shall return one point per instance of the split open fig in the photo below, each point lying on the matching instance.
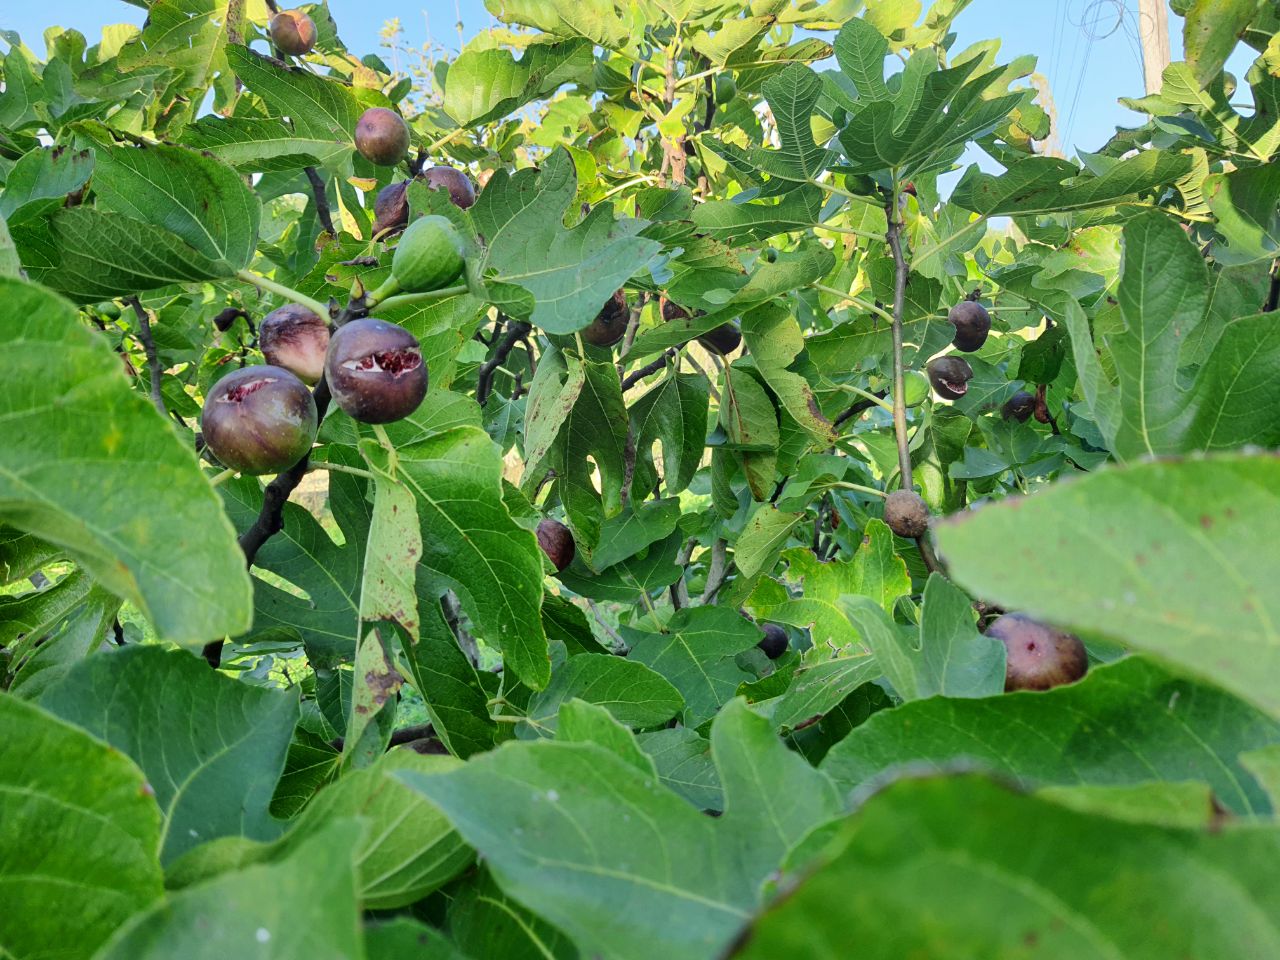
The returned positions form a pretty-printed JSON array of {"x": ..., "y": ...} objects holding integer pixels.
[
  {"x": 375, "y": 371},
  {"x": 950, "y": 377},
  {"x": 1038, "y": 656}
]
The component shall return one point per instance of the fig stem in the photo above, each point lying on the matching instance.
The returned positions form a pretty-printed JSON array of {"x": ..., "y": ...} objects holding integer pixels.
[
  {"x": 878, "y": 401},
  {"x": 340, "y": 468},
  {"x": 393, "y": 459},
  {"x": 841, "y": 484},
  {"x": 856, "y": 301},
  {"x": 407, "y": 299},
  {"x": 222, "y": 477},
  {"x": 271, "y": 286},
  {"x": 851, "y": 231}
]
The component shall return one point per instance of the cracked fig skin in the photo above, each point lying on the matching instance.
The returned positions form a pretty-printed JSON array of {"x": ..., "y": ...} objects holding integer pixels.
[
  {"x": 610, "y": 323},
  {"x": 295, "y": 338},
  {"x": 950, "y": 377},
  {"x": 258, "y": 420},
  {"x": 375, "y": 371}
]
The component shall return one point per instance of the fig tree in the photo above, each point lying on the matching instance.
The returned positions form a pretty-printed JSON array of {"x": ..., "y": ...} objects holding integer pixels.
[
  {"x": 1038, "y": 656},
  {"x": 775, "y": 641},
  {"x": 906, "y": 514},
  {"x": 556, "y": 542},
  {"x": 391, "y": 208},
  {"x": 429, "y": 256},
  {"x": 293, "y": 32},
  {"x": 295, "y": 338},
  {"x": 259, "y": 420},
  {"x": 725, "y": 338},
  {"x": 375, "y": 371},
  {"x": 610, "y": 323},
  {"x": 972, "y": 323},
  {"x": 382, "y": 136},
  {"x": 1019, "y": 407},
  {"x": 461, "y": 190},
  {"x": 950, "y": 377}
]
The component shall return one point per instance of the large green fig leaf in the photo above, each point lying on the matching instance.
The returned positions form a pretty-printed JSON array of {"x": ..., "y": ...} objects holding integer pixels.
[
  {"x": 964, "y": 868},
  {"x": 1129, "y": 722},
  {"x": 1175, "y": 558},
  {"x": 88, "y": 464},
  {"x": 63, "y": 793},
  {"x": 212, "y": 748},
  {"x": 489, "y": 83}
]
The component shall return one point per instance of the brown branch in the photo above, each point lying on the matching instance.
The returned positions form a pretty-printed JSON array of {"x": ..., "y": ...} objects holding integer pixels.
[
  {"x": 856, "y": 408},
  {"x": 398, "y": 737},
  {"x": 153, "y": 355},
  {"x": 322, "y": 200},
  {"x": 515, "y": 331},
  {"x": 1273, "y": 295},
  {"x": 648, "y": 369},
  {"x": 716, "y": 572}
]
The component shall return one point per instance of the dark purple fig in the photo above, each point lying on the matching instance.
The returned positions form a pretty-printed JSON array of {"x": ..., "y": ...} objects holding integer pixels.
[
  {"x": 972, "y": 323},
  {"x": 673, "y": 311},
  {"x": 375, "y": 371},
  {"x": 906, "y": 514},
  {"x": 775, "y": 642},
  {"x": 556, "y": 542},
  {"x": 382, "y": 136},
  {"x": 950, "y": 377},
  {"x": 725, "y": 338},
  {"x": 461, "y": 190},
  {"x": 610, "y": 323},
  {"x": 297, "y": 339},
  {"x": 259, "y": 420},
  {"x": 391, "y": 208},
  {"x": 293, "y": 32},
  {"x": 1019, "y": 407},
  {"x": 1038, "y": 656},
  {"x": 225, "y": 318}
]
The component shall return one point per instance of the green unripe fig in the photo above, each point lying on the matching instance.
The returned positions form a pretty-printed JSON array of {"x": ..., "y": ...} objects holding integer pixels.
[
  {"x": 382, "y": 136},
  {"x": 293, "y": 32},
  {"x": 726, "y": 88},
  {"x": 109, "y": 309},
  {"x": 915, "y": 388},
  {"x": 429, "y": 255},
  {"x": 259, "y": 419},
  {"x": 839, "y": 117}
]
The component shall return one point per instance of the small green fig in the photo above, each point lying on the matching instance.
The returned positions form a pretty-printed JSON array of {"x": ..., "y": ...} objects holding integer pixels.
[
  {"x": 429, "y": 256},
  {"x": 259, "y": 419},
  {"x": 382, "y": 136},
  {"x": 915, "y": 388},
  {"x": 726, "y": 88}
]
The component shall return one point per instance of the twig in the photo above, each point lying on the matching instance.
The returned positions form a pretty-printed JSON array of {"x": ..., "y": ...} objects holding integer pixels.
[
  {"x": 1273, "y": 295},
  {"x": 716, "y": 571},
  {"x": 710, "y": 385},
  {"x": 636, "y": 376},
  {"x": 619, "y": 643},
  {"x": 679, "y": 589},
  {"x": 857, "y": 407},
  {"x": 279, "y": 289},
  {"x": 398, "y": 737},
  {"x": 633, "y": 324},
  {"x": 322, "y": 200},
  {"x": 894, "y": 236},
  {"x": 153, "y": 356},
  {"x": 515, "y": 331}
]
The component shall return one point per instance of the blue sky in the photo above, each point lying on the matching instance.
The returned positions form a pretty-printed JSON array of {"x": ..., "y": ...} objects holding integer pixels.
[{"x": 1087, "y": 75}]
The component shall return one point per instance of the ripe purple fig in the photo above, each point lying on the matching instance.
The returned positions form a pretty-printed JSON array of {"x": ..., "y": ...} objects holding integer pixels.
[
  {"x": 375, "y": 371},
  {"x": 906, "y": 514},
  {"x": 391, "y": 208},
  {"x": 610, "y": 323},
  {"x": 950, "y": 377},
  {"x": 972, "y": 323},
  {"x": 556, "y": 542},
  {"x": 1038, "y": 656},
  {"x": 382, "y": 136},
  {"x": 775, "y": 642},
  {"x": 1019, "y": 407},
  {"x": 461, "y": 190},
  {"x": 259, "y": 420},
  {"x": 673, "y": 311},
  {"x": 293, "y": 32},
  {"x": 725, "y": 338},
  {"x": 297, "y": 339}
]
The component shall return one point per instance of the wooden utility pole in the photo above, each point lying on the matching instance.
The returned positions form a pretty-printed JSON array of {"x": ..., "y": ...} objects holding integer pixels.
[{"x": 1153, "y": 31}]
